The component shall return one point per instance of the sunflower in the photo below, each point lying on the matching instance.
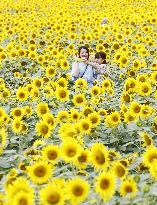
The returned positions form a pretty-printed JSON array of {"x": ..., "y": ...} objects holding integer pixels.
[
  {"x": 136, "y": 64},
  {"x": 17, "y": 185},
  {"x": 106, "y": 185},
  {"x": 28, "y": 110},
  {"x": 37, "y": 82},
  {"x": 74, "y": 115},
  {"x": 85, "y": 126},
  {"x": 42, "y": 109},
  {"x": 95, "y": 91},
  {"x": 135, "y": 108},
  {"x": 62, "y": 82},
  {"x": 128, "y": 187},
  {"x": 87, "y": 110},
  {"x": 81, "y": 83},
  {"x": 70, "y": 149},
  {"x": 94, "y": 118},
  {"x": 63, "y": 116},
  {"x": 51, "y": 153},
  {"x": 146, "y": 111},
  {"x": 40, "y": 172},
  {"x": 125, "y": 98},
  {"x": 2, "y": 114},
  {"x": 106, "y": 84},
  {"x": 144, "y": 89},
  {"x": 77, "y": 190},
  {"x": 62, "y": 94},
  {"x": 130, "y": 117},
  {"x": 22, "y": 94},
  {"x": 99, "y": 47},
  {"x": 49, "y": 118},
  {"x": 68, "y": 130},
  {"x": 149, "y": 156},
  {"x": 50, "y": 71},
  {"x": 17, "y": 112},
  {"x": 102, "y": 113},
  {"x": 34, "y": 93},
  {"x": 142, "y": 77},
  {"x": 17, "y": 126},
  {"x": 82, "y": 159},
  {"x": 3, "y": 137},
  {"x": 123, "y": 109},
  {"x": 43, "y": 129},
  {"x": 52, "y": 194},
  {"x": 148, "y": 141},
  {"x": 32, "y": 55},
  {"x": 113, "y": 119},
  {"x": 119, "y": 170},
  {"x": 79, "y": 99},
  {"x": 153, "y": 169},
  {"x": 64, "y": 64},
  {"x": 23, "y": 198},
  {"x": 99, "y": 156}
]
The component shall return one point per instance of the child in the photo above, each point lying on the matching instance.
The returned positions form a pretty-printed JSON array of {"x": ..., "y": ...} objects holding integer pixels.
[{"x": 100, "y": 65}]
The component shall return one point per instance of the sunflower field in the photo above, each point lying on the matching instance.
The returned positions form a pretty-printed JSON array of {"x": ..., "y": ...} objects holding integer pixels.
[{"x": 68, "y": 144}]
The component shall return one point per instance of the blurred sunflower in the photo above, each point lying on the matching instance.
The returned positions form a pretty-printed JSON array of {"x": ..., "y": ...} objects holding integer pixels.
[{"x": 40, "y": 172}]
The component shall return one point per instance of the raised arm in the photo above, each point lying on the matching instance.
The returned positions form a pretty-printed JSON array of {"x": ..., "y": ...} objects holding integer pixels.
[{"x": 94, "y": 65}]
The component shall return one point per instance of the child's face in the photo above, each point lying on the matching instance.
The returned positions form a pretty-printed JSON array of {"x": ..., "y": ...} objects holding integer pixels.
[
  {"x": 83, "y": 53},
  {"x": 99, "y": 60}
]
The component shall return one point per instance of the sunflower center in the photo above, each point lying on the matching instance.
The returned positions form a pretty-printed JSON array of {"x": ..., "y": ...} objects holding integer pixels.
[
  {"x": 71, "y": 152},
  {"x": 40, "y": 171},
  {"x": 152, "y": 157},
  {"x": 95, "y": 92},
  {"x": 82, "y": 158},
  {"x": 128, "y": 189},
  {"x": 51, "y": 71},
  {"x": 145, "y": 89},
  {"x": 62, "y": 94},
  {"x": 100, "y": 158},
  {"x": 43, "y": 110},
  {"x": 120, "y": 171},
  {"x": 85, "y": 126},
  {"x": 126, "y": 98},
  {"x": 18, "y": 112},
  {"x": 17, "y": 125},
  {"x": 23, "y": 201},
  {"x": 115, "y": 118},
  {"x": 87, "y": 112},
  {"x": 53, "y": 198},
  {"x": 94, "y": 120},
  {"x": 52, "y": 154},
  {"x": 79, "y": 99},
  {"x": 104, "y": 184},
  {"x": 77, "y": 190},
  {"x": 44, "y": 129},
  {"x": 137, "y": 109},
  {"x": 21, "y": 95},
  {"x": 50, "y": 121},
  {"x": 75, "y": 116}
]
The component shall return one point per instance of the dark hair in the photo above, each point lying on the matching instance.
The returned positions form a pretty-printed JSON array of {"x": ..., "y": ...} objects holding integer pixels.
[
  {"x": 102, "y": 55},
  {"x": 83, "y": 47}
]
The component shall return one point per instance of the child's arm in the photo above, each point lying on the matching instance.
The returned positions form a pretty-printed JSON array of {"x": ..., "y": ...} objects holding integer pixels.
[{"x": 95, "y": 65}]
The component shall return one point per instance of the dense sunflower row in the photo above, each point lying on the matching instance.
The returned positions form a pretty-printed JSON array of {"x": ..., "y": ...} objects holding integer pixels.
[{"x": 64, "y": 143}]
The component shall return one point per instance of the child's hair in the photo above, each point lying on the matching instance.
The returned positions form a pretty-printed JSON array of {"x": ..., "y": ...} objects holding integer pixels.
[
  {"x": 102, "y": 55},
  {"x": 83, "y": 47}
]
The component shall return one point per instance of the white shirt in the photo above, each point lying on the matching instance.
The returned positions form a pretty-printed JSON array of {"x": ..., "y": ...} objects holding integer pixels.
[{"x": 86, "y": 72}]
